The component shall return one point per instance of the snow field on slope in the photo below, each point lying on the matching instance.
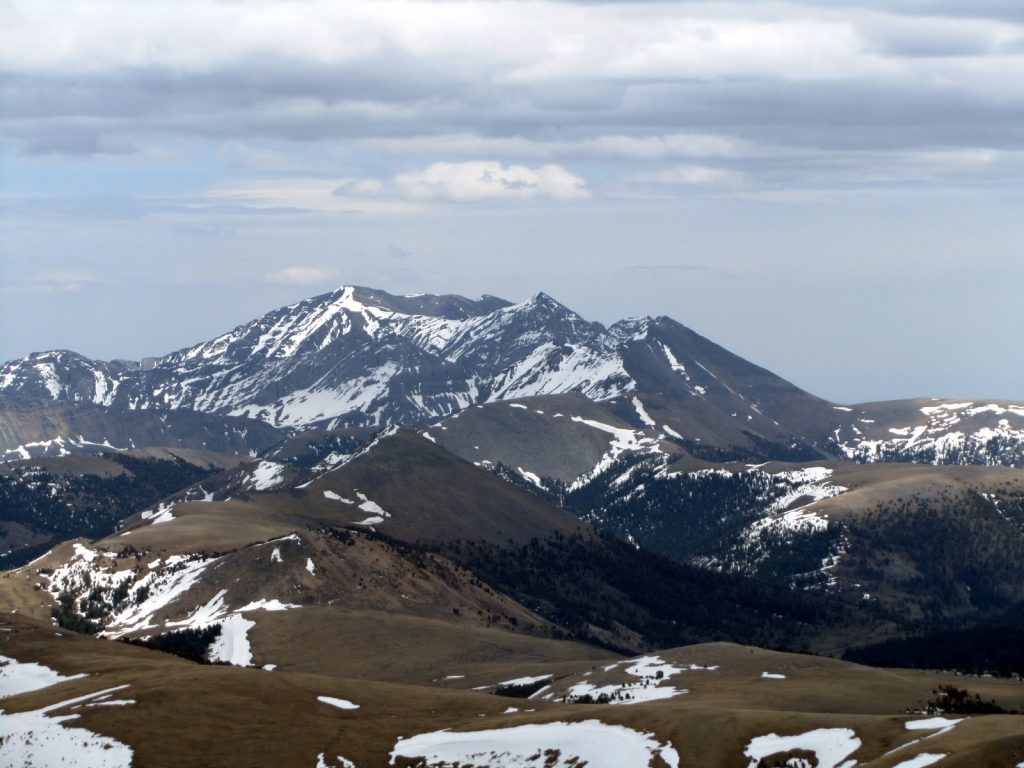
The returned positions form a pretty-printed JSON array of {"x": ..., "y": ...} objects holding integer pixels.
[
  {"x": 165, "y": 582},
  {"x": 232, "y": 644},
  {"x": 163, "y": 585},
  {"x": 937, "y": 440},
  {"x": 531, "y": 477},
  {"x": 674, "y": 363},
  {"x": 336, "y": 702},
  {"x": 162, "y": 514},
  {"x": 933, "y": 723},
  {"x": 623, "y": 693},
  {"x": 332, "y": 496},
  {"x": 526, "y": 746},
  {"x": 829, "y": 745},
  {"x": 623, "y": 440},
  {"x": 526, "y": 680},
  {"x": 265, "y": 476},
  {"x": 373, "y": 509},
  {"x": 57, "y": 446},
  {"x": 21, "y": 677},
  {"x": 939, "y": 726},
  {"x": 38, "y": 738},
  {"x": 652, "y": 674},
  {"x": 810, "y": 482},
  {"x": 642, "y": 413}
]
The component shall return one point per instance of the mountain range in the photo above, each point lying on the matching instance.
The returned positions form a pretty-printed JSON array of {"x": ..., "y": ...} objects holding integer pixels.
[
  {"x": 430, "y": 530},
  {"x": 359, "y": 357}
]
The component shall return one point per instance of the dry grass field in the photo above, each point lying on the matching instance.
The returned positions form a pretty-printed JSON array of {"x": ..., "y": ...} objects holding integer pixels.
[{"x": 187, "y": 714}]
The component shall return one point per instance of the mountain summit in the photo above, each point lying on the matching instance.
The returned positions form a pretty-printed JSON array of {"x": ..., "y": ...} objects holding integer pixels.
[
  {"x": 353, "y": 357},
  {"x": 361, "y": 357}
]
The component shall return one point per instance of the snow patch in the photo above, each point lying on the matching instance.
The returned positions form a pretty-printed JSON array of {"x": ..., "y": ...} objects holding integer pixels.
[
  {"x": 597, "y": 744},
  {"x": 623, "y": 440},
  {"x": 21, "y": 677},
  {"x": 342, "y": 762},
  {"x": 641, "y": 412},
  {"x": 932, "y": 723},
  {"x": 232, "y": 645},
  {"x": 829, "y": 745},
  {"x": 267, "y": 605},
  {"x": 530, "y": 477},
  {"x": 922, "y": 760},
  {"x": 336, "y": 497},
  {"x": 162, "y": 514},
  {"x": 339, "y": 703},
  {"x": 265, "y": 476},
  {"x": 376, "y": 512},
  {"x": 37, "y": 738},
  {"x": 527, "y": 680},
  {"x": 674, "y": 363},
  {"x": 652, "y": 672}
]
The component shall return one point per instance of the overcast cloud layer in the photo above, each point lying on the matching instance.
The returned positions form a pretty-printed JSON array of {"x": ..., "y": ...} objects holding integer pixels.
[{"x": 831, "y": 189}]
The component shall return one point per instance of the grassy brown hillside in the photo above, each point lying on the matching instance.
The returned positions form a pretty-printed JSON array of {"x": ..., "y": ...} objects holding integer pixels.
[{"x": 186, "y": 714}]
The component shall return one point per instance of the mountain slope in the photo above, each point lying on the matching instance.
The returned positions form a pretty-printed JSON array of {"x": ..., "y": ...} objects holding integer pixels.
[
  {"x": 415, "y": 491},
  {"x": 933, "y": 431},
  {"x": 45, "y": 501},
  {"x": 924, "y": 545},
  {"x": 359, "y": 357},
  {"x": 32, "y": 427},
  {"x": 352, "y": 357},
  {"x": 425, "y": 504},
  {"x": 551, "y": 437},
  {"x": 708, "y": 395}
]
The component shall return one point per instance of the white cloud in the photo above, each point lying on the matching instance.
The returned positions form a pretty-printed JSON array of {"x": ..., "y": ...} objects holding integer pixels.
[
  {"x": 553, "y": 41},
  {"x": 527, "y": 82},
  {"x": 301, "y": 276},
  {"x": 482, "y": 180},
  {"x": 700, "y": 175},
  {"x": 407, "y": 192}
]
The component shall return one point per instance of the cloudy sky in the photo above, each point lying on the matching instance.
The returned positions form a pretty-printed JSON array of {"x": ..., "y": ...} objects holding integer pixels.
[{"x": 830, "y": 189}]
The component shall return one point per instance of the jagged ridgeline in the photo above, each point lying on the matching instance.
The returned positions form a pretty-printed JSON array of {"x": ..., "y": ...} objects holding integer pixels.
[{"x": 362, "y": 357}]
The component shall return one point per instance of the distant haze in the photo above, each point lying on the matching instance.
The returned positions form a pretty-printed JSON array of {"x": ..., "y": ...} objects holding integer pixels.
[{"x": 832, "y": 190}]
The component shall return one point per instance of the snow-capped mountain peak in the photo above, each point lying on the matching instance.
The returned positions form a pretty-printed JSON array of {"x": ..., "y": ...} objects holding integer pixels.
[
  {"x": 358, "y": 356},
  {"x": 355, "y": 356}
]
